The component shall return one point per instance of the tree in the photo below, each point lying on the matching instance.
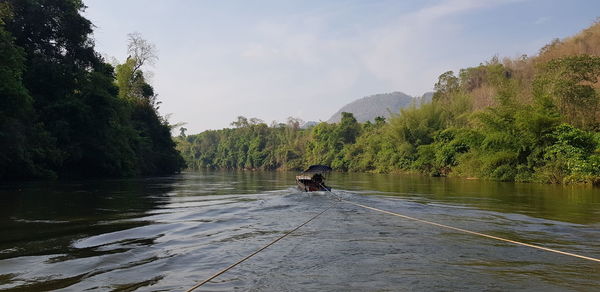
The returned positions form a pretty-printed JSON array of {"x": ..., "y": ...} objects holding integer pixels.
[
  {"x": 256, "y": 121},
  {"x": 446, "y": 85},
  {"x": 153, "y": 144},
  {"x": 141, "y": 51},
  {"x": 22, "y": 143},
  {"x": 240, "y": 122},
  {"x": 294, "y": 122},
  {"x": 348, "y": 129},
  {"x": 379, "y": 121},
  {"x": 131, "y": 79},
  {"x": 568, "y": 85},
  {"x": 55, "y": 90},
  {"x": 60, "y": 66}
]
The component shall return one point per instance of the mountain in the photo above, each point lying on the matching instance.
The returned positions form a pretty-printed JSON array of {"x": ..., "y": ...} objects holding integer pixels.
[
  {"x": 309, "y": 125},
  {"x": 425, "y": 98},
  {"x": 370, "y": 107}
]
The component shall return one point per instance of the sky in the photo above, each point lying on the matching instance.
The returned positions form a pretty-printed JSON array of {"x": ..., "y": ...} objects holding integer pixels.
[{"x": 276, "y": 59}]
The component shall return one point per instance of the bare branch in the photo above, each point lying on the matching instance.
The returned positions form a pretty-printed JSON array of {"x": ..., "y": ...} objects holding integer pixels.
[{"x": 141, "y": 50}]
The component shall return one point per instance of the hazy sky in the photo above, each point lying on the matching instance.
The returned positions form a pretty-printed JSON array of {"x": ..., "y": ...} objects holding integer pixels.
[{"x": 274, "y": 59}]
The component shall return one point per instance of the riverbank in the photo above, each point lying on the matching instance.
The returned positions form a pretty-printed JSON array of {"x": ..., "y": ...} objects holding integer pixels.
[{"x": 401, "y": 173}]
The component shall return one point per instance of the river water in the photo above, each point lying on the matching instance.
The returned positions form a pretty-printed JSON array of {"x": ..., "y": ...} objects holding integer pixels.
[{"x": 168, "y": 233}]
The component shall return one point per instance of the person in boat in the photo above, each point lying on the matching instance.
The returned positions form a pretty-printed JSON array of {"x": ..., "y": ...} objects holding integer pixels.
[
  {"x": 318, "y": 179},
  {"x": 313, "y": 178}
]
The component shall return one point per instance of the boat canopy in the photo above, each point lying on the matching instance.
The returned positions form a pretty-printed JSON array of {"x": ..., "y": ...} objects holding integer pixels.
[{"x": 317, "y": 169}]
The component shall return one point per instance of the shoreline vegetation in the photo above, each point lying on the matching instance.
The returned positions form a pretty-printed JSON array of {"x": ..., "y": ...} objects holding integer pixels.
[
  {"x": 527, "y": 119},
  {"x": 67, "y": 112}
]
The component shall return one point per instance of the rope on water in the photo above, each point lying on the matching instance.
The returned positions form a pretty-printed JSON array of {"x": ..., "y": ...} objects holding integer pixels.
[
  {"x": 257, "y": 251},
  {"x": 468, "y": 231},
  {"x": 476, "y": 233},
  {"x": 338, "y": 198}
]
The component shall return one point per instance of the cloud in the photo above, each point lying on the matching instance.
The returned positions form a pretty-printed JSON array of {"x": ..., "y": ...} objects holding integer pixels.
[
  {"x": 541, "y": 20},
  {"x": 298, "y": 64},
  {"x": 407, "y": 54},
  {"x": 447, "y": 8},
  {"x": 307, "y": 61},
  {"x": 410, "y": 52},
  {"x": 258, "y": 51}
]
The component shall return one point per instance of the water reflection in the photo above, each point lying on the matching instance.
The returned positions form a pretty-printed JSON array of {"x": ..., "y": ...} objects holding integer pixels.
[
  {"x": 576, "y": 204},
  {"x": 40, "y": 221},
  {"x": 165, "y": 234}
]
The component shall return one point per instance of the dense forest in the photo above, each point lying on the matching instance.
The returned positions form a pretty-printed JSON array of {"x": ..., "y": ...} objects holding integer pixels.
[
  {"x": 66, "y": 112},
  {"x": 529, "y": 119}
]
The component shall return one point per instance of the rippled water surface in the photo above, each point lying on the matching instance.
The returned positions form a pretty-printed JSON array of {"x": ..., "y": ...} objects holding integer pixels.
[{"x": 167, "y": 234}]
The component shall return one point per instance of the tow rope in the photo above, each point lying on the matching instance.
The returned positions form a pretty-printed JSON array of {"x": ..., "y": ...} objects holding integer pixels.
[
  {"x": 465, "y": 230},
  {"x": 475, "y": 233},
  {"x": 257, "y": 251},
  {"x": 339, "y": 199}
]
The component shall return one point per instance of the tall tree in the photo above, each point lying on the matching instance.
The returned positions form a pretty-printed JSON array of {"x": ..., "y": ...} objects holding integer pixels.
[
  {"x": 153, "y": 144},
  {"x": 60, "y": 108}
]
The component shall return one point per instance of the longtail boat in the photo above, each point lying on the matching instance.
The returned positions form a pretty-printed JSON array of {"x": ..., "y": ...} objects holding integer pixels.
[{"x": 313, "y": 178}]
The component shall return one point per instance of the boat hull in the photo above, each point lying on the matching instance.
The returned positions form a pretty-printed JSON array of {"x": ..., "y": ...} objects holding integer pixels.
[{"x": 310, "y": 186}]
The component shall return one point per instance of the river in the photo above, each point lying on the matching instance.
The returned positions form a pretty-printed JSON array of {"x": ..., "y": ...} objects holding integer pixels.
[{"x": 169, "y": 233}]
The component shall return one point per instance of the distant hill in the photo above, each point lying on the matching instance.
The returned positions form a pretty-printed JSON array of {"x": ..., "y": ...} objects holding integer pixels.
[
  {"x": 370, "y": 107},
  {"x": 425, "y": 98},
  {"x": 309, "y": 125}
]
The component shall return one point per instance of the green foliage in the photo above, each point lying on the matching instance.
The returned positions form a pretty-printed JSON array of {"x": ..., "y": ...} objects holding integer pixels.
[
  {"x": 254, "y": 145},
  {"x": 24, "y": 143},
  {"x": 417, "y": 126},
  {"x": 348, "y": 129},
  {"x": 62, "y": 113},
  {"x": 567, "y": 85},
  {"x": 571, "y": 158},
  {"x": 447, "y": 85}
]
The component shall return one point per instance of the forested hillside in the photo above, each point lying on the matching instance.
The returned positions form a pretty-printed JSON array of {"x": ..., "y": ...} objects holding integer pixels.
[
  {"x": 527, "y": 119},
  {"x": 63, "y": 110}
]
